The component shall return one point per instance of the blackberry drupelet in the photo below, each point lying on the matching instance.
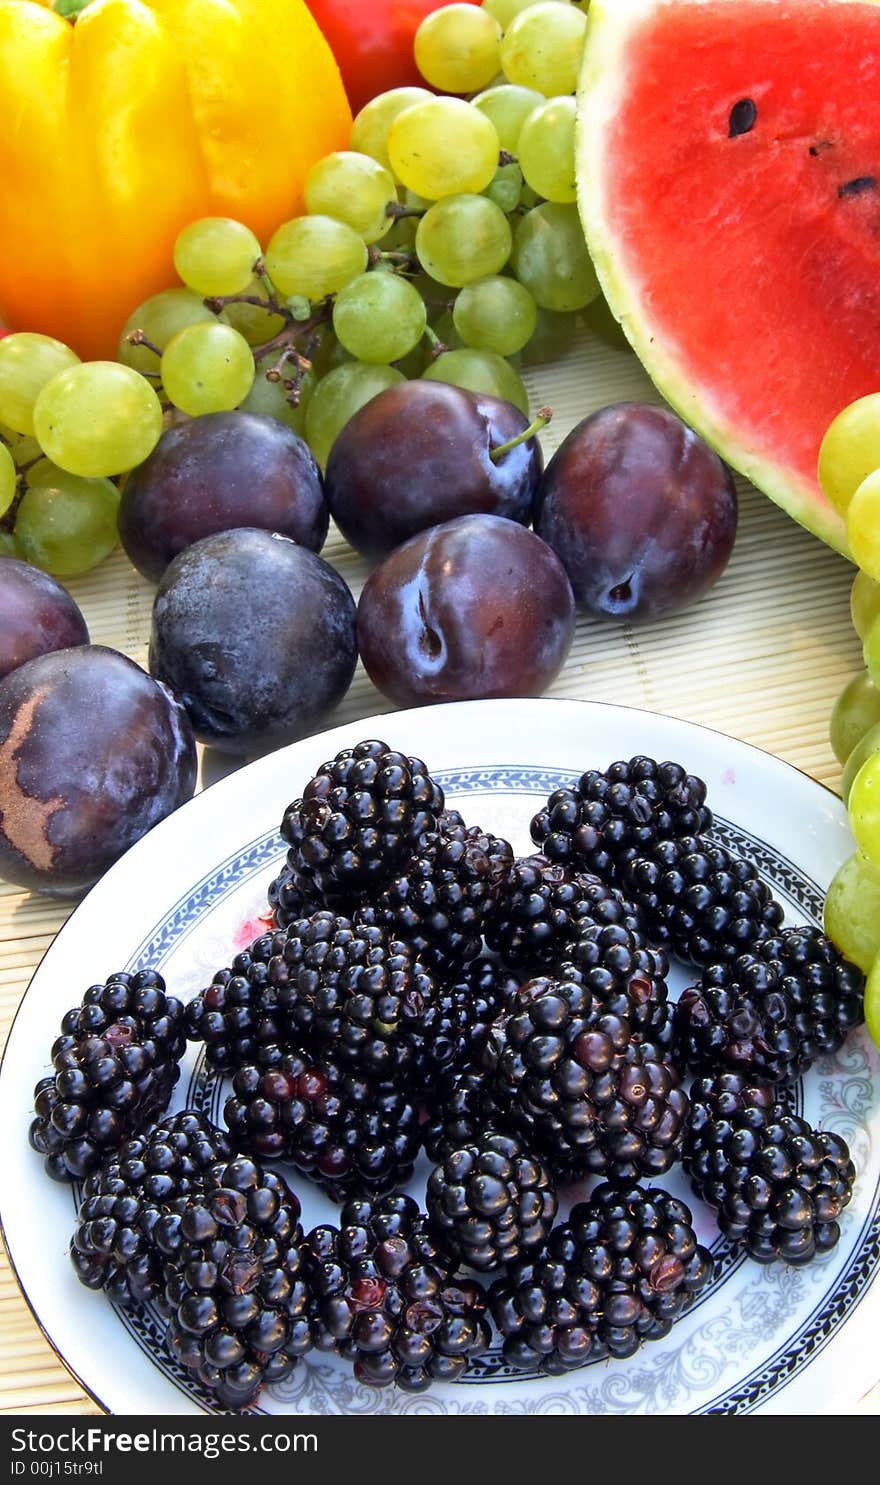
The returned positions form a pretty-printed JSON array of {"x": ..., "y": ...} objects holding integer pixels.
[
  {"x": 626, "y": 978},
  {"x": 234, "y": 1286},
  {"x": 777, "y": 1185},
  {"x": 461, "y": 1111},
  {"x": 439, "y": 902},
  {"x": 490, "y": 1201},
  {"x": 112, "y": 1246},
  {"x": 347, "y": 1134},
  {"x": 618, "y": 1273},
  {"x": 584, "y": 1093},
  {"x": 385, "y": 1299},
  {"x": 700, "y": 900},
  {"x": 456, "y": 1026},
  {"x": 543, "y": 909},
  {"x": 238, "y": 1014},
  {"x": 608, "y": 817},
  {"x": 287, "y": 899},
  {"x": 774, "y": 1010},
  {"x": 362, "y": 815},
  {"x": 116, "y": 1063}
]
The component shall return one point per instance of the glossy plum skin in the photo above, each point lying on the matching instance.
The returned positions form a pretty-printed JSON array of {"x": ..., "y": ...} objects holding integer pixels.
[
  {"x": 256, "y": 636},
  {"x": 93, "y": 754},
  {"x": 216, "y": 473},
  {"x": 37, "y": 615},
  {"x": 642, "y": 512},
  {"x": 478, "y": 607},
  {"x": 418, "y": 455}
]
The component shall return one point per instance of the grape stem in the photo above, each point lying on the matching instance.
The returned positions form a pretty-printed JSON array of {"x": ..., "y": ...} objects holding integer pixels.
[
  {"x": 438, "y": 348},
  {"x": 407, "y": 261},
  {"x": 398, "y": 213},
  {"x": 137, "y": 337},
  {"x": 544, "y": 417}
]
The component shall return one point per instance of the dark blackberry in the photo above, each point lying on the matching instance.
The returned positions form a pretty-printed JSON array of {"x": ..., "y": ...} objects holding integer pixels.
[
  {"x": 543, "y": 909},
  {"x": 116, "y": 1063},
  {"x": 611, "y": 816},
  {"x": 777, "y": 1185},
  {"x": 618, "y": 1273},
  {"x": 456, "y": 1025},
  {"x": 112, "y": 1245},
  {"x": 462, "y": 1110},
  {"x": 238, "y": 1013},
  {"x": 336, "y": 1127},
  {"x": 573, "y": 1079},
  {"x": 348, "y": 987},
  {"x": 774, "y": 1011},
  {"x": 234, "y": 1287},
  {"x": 626, "y": 978},
  {"x": 702, "y": 901},
  {"x": 287, "y": 899},
  {"x": 439, "y": 901},
  {"x": 490, "y": 1201},
  {"x": 385, "y": 1298},
  {"x": 362, "y": 815}
]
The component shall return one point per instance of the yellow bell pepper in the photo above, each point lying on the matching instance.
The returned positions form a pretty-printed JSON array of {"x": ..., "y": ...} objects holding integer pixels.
[{"x": 121, "y": 127}]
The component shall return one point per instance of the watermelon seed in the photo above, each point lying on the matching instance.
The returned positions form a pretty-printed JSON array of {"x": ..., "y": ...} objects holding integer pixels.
[
  {"x": 743, "y": 117},
  {"x": 858, "y": 186}
]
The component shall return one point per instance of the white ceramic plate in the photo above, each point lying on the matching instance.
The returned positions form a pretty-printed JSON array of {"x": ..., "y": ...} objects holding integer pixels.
[{"x": 189, "y": 895}]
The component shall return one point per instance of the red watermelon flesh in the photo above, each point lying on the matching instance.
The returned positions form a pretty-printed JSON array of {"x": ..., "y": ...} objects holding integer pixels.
[{"x": 732, "y": 202}]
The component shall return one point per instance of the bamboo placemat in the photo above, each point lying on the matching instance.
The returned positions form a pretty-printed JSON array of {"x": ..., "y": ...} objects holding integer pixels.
[{"x": 763, "y": 658}]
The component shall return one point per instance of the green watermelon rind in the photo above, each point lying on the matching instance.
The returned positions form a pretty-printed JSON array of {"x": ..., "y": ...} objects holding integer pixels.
[{"x": 602, "y": 82}]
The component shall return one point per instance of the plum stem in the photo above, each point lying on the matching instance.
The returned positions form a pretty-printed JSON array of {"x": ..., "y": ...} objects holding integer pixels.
[{"x": 544, "y": 417}]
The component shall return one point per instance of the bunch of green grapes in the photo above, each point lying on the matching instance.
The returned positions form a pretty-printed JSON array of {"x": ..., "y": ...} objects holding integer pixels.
[
  {"x": 444, "y": 243},
  {"x": 66, "y": 427},
  {"x": 849, "y": 473}
]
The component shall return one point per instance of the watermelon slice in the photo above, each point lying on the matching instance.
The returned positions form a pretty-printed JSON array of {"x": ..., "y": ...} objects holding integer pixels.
[{"x": 729, "y": 173}]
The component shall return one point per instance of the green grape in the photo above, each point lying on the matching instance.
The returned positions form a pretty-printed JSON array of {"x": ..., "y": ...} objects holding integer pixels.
[
  {"x": 495, "y": 314},
  {"x": 8, "y": 545},
  {"x": 354, "y": 188},
  {"x": 65, "y": 524},
  {"x": 325, "y": 353},
  {"x": 852, "y": 911},
  {"x": 553, "y": 336},
  {"x": 369, "y": 132},
  {"x": 458, "y": 48},
  {"x": 542, "y": 48},
  {"x": 864, "y": 603},
  {"x": 863, "y": 750},
  {"x": 98, "y": 418},
  {"x": 338, "y": 397},
  {"x": 443, "y": 147},
  {"x": 271, "y": 400},
  {"x": 256, "y": 324},
  {"x": 550, "y": 257},
  {"x": 463, "y": 238},
  {"x": 8, "y": 479},
  {"x": 27, "y": 363},
  {"x": 872, "y": 1002},
  {"x": 444, "y": 328},
  {"x": 850, "y": 450},
  {"x": 160, "y": 318},
  {"x": 505, "y": 188},
  {"x": 207, "y": 369},
  {"x": 546, "y": 149},
  {"x": 856, "y": 710},
  {"x": 604, "y": 324},
  {"x": 864, "y": 809},
  {"x": 480, "y": 371},
  {"x": 379, "y": 317},
  {"x": 863, "y": 525},
  {"x": 315, "y": 256},
  {"x": 508, "y": 107},
  {"x": 216, "y": 256},
  {"x": 505, "y": 11},
  {"x": 871, "y": 651}
]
